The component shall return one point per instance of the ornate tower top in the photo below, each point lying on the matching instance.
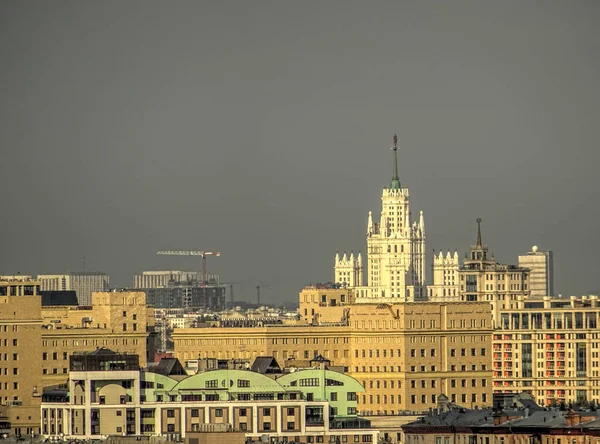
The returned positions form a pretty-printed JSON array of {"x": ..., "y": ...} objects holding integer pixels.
[
  {"x": 478, "y": 220},
  {"x": 395, "y": 179}
]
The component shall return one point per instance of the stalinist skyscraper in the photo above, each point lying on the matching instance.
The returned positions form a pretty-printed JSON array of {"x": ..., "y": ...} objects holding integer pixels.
[{"x": 395, "y": 251}]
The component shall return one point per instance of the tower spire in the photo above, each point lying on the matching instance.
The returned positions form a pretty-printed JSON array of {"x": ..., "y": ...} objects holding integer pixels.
[
  {"x": 479, "y": 243},
  {"x": 395, "y": 179}
]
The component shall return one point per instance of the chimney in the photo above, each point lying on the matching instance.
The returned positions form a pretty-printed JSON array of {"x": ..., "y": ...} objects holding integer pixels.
[{"x": 572, "y": 419}]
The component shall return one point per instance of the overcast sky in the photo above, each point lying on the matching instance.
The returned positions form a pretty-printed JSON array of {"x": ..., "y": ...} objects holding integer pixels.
[{"x": 261, "y": 129}]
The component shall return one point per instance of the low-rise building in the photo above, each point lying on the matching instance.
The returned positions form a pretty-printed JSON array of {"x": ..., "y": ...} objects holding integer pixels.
[
  {"x": 109, "y": 395},
  {"x": 526, "y": 424},
  {"x": 404, "y": 354}
]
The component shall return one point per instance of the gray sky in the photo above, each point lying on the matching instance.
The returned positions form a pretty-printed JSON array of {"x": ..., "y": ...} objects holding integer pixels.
[{"x": 261, "y": 129}]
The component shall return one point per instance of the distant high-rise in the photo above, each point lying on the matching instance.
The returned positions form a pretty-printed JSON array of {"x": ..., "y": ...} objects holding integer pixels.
[
  {"x": 395, "y": 251},
  {"x": 158, "y": 279},
  {"x": 84, "y": 283},
  {"x": 541, "y": 264},
  {"x": 181, "y": 289}
]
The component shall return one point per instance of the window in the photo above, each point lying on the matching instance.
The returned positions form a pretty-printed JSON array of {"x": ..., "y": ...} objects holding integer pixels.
[
  {"x": 119, "y": 413},
  {"x": 15, "y": 342},
  {"x": 291, "y": 426},
  {"x": 266, "y": 426},
  {"x": 124, "y": 314},
  {"x": 334, "y": 396},
  {"x": 213, "y": 383},
  {"x": 170, "y": 413},
  {"x": 218, "y": 413},
  {"x": 124, "y": 326},
  {"x": 195, "y": 413},
  {"x": 45, "y": 356},
  {"x": 243, "y": 383},
  {"x": 291, "y": 411},
  {"x": 242, "y": 412},
  {"x": 171, "y": 428},
  {"x": 266, "y": 412}
]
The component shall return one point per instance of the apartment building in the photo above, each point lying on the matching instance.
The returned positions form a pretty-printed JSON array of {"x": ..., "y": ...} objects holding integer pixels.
[
  {"x": 541, "y": 264},
  {"x": 36, "y": 342},
  {"x": 108, "y": 394},
  {"x": 314, "y": 298},
  {"x": 84, "y": 283},
  {"x": 120, "y": 320},
  {"x": 20, "y": 355},
  {"x": 404, "y": 354},
  {"x": 549, "y": 348}
]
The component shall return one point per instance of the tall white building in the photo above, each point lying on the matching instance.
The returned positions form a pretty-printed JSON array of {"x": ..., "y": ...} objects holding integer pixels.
[
  {"x": 84, "y": 283},
  {"x": 395, "y": 250},
  {"x": 541, "y": 277}
]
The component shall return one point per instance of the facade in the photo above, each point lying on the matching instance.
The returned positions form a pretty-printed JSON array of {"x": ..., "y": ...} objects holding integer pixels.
[
  {"x": 120, "y": 320},
  {"x": 119, "y": 399},
  {"x": 83, "y": 283},
  {"x": 482, "y": 278},
  {"x": 314, "y": 298},
  {"x": 187, "y": 296},
  {"x": 36, "y": 343},
  {"x": 348, "y": 270},
  {"x": 445, "y": 277},
  {"x": 395, "y": 251},
  {"x": 157, "y": 279},
  {"x": 404, "y": 354},
  {"x": 20, "y": 355},
  {"x": 479, "y": 278},
  {"x": 549, "y": 348},
  {"x": 541, "y": 278}
]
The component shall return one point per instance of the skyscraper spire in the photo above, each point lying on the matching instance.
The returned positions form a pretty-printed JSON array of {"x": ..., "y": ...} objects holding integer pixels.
[
  {"x": 395, "y": 179},
  {"x": 479, "y": 244}
]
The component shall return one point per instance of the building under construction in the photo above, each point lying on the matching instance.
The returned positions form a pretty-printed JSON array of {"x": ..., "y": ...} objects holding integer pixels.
[{"x": 189, "y": 294}]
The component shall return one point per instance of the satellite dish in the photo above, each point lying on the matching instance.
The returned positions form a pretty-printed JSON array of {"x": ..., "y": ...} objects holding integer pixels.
[{"x": 264, "y": 438}]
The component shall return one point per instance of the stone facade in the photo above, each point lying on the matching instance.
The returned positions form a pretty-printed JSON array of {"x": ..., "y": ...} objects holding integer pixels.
[{"x": 404, "y": 354}]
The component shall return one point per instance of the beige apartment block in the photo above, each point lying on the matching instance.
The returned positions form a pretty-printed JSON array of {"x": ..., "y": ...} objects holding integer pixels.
[
  {"x": 549, "y": 348},
  {"x": 314, "y": 298},
  {"x": 20, "y": 355},
  {"x": 119, "y": 320},
  {"x": 36, "y": 342},
  {"x": 482, "y": 278},
  {"x": 404, "y": 354}
]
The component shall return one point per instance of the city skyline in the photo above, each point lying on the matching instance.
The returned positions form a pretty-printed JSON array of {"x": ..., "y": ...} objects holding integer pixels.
[{"x": 262, "y": 131}]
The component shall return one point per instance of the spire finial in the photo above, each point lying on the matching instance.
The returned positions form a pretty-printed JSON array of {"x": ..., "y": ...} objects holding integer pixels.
[
  {"x": 478, "y": 220},
  {"x": 395, "y": 179}
]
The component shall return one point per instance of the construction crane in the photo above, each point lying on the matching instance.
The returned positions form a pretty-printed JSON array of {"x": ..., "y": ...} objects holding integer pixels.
[
  {"x": 258, "y": 287},
  {"x": 231, "y": 284},
  {"x": 203, "y": 255}
]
